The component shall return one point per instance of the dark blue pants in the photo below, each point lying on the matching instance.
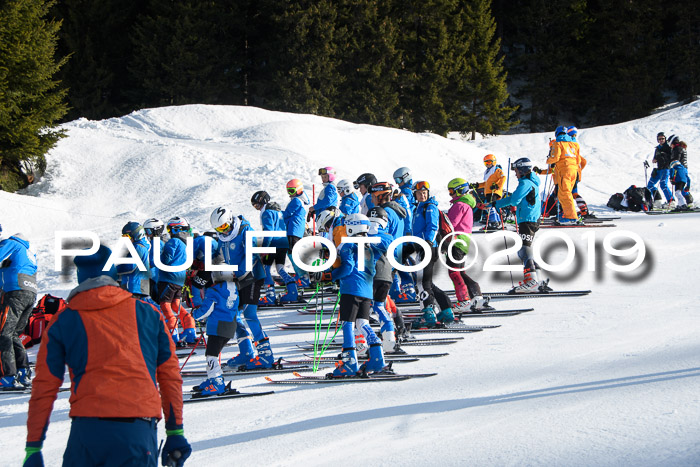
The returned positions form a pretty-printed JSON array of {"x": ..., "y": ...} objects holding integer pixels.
[{"x": 106, "y": 442}]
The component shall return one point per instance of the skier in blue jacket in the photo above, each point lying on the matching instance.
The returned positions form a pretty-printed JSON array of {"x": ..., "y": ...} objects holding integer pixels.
[
  {"x": 349, "y": 202},
  {"x": 528, "y": 202},
  {"x": 328, "y": 196},
  {"x": 132, "y": 279},
  {"x": 18, "y": 282},
  {"x": 272, "y": 220},
  {"x": 232, "y": 234},
  {"x": 681, "y": 183},
  {"x": 154, "y": 229},
  {"x": 295, "y": 220},
  {"x": 356, "y": 297}
]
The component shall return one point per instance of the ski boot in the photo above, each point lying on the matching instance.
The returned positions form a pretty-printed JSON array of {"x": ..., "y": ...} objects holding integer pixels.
[
  {"x": 530, "y": 283},
  {"x": 303, "y": 282},
  {"x": 189, "y": 336},
  {"x": 408, "y": 295},
  {"x": 269, "y": 299},
  {"x": 360, "y": 344},
  {"x": 212, "y": 386},
  {"x": 24, "y": 377},
  {"x": 347, "y": 366},
  {"x": 446, "y": 316},
  {"x": 428, "y": 320},
  {"x": 246, "y": 353},
  {"x": 464, "y": 306},
  {"x": 9, "y": 383},
  {"x": 175, "y": 334},
  {"x": 292, "y": 294},
  {"x": 389, "y": 341},
  {"x": 478, "y": 304},
  {"x": 376, "y": 363},
  {"x": 265, "y": 359}
]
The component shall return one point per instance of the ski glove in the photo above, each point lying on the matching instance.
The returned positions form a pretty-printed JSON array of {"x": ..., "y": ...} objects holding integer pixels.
[
  {"x": 33, "y": 458},
  {"x": 176, "y": 449},
  {"x": 494, "y": 186},
  {"x": 322, "y": 277}
]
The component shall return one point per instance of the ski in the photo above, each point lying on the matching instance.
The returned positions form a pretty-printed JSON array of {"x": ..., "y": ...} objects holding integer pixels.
[
  {"x": 401, "y": 355},
  {"x": 25, "y": 390},
  {"x": 663, "y": 212},
  {"x": 576, "y": 226},
  {"x": 349, "y": 379},
  {"x": 404, "y": 342},
  {"x": 311, "y": 327},
  {"x": 555, "y": 293},
  {"x": 229, "y": 393},
  {"x": 310, "y": 360},
  {"x": 480, "y": 313},
  {"x": 257, "y": 371}
]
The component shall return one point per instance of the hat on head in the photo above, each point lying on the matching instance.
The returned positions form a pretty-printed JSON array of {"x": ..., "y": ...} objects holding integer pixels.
[{"x": 91, "y": 266}]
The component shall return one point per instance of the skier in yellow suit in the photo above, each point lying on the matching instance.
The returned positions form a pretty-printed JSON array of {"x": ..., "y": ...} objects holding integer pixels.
[{"x": 564, "y": 155}]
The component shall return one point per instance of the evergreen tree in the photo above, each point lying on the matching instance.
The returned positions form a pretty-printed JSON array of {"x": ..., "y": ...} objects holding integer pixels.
[
  {"x": 30, "y": 99},
  {"x": 305, "y": 75},
  {"x": 479, "y": 84},
  {"x": 95, "y": 37},
  {"x": 184, "y": 54},
  {"x": 682, "y": 53},
  {"x": 369, "y": 62}
]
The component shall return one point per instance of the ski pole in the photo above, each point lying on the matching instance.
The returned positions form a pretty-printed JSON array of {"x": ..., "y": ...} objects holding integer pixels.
[
  {"x": 646, "y": 179},
  {"x": 505, "y": 243}
]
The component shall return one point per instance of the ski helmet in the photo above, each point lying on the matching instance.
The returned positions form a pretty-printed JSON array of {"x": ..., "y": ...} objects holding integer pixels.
[
  {"x": 260, "y": 197},
  {"x": 356, "y": 224},
  {"x": 402, "y": 175},
  {"x": 325, "y": 219},
  {"x": 221, "y": 219},
  {"x": 670, "y": 138},
  {"x": 381, "y": 188},
  {"x": 422, "y": 185},
  {"x": 133, "y": 230},
  {"x": 344, "y": 187},
  {"x": 572, "y": 131},
  {"x": 674, "y": 140},
  {"x": 522, "y": 165},
  {"x": 559, "y": 130},
  {"x": 178, "y": 224},
  {"x": 489, "y": 160},
  {"x": 295, "y": 187},
  {"x": 366, "y": 179},
  {"x": 457, "y": 187},
  {"x": 675, "y": 164},
  {"x": 379, "y": 216},
  {"x": 153, "y": 227},
  {"x": 330, "y": 171}
]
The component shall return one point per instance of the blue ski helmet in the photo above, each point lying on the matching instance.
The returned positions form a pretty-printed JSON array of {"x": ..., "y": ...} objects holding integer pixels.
[
  {"x": 560, "y": 129},
  {"x": 572, "y": 131}
]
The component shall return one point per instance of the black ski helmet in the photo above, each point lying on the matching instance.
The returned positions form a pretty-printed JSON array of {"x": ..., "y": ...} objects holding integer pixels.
[
  {"x": 366, "y": 179},
  {"x": 260, "y": 197},
  {"x": 379, "y": 215}
]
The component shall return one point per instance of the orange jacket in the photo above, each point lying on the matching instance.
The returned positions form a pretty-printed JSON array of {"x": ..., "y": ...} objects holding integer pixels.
[
  {"x": 495, "y": 176},
  {"x": 563, "y": 154},
  {"x": 116, "y": 348}
]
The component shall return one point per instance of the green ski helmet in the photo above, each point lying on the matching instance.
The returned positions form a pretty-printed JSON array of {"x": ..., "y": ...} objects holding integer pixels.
[{"x": 458, "y": 187}]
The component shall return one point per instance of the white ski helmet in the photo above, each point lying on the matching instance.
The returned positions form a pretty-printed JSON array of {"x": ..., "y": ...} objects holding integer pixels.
[
  {"x": 326, "y": 218},
  {"x": 357, "y": 224},
  {"x": 344, "y": 187},
  {"x": 402, "y": 175},
  {"x": 153, "y": 227},
  {"x": 221, "y": 217}
]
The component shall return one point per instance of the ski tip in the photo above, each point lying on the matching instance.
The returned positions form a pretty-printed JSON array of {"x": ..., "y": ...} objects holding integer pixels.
[
  {"x": 267, "y": 378},
  {"x": 297, "y": 374}
]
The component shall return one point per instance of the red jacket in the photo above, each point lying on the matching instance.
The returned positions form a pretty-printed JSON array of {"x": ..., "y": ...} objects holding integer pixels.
[{"x": 116, "y": 349}]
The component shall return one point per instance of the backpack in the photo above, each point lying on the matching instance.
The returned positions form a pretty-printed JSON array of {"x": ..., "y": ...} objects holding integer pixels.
[
  {"x": 42, "y": 313},
  {"x": 639, "y": 199},
  {"x": 615, "y": 202},
  {"x": 445, "y": 226}
]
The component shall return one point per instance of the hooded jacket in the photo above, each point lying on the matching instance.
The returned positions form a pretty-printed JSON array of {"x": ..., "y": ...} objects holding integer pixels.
[
  {"x": 426, "y": 220},
  {"x": 527, "y": 199},
  {"x": 120, "y": 357},
  {"x": 17, "y": 265}
]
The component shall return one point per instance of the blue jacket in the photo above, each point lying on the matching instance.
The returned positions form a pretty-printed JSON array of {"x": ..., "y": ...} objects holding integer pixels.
[
  {"x": 174, "y": 254},
  {"x": 273, "y": 220},
  {"x": 426, "y": 219},
  {"x": 408, "y": 193},
  {"x": 326, "y": 198},
  {"x": 408, "y": 220},
  {"x": 198, "y": 248},
  {"x": 220, "y": 304},
  {"x": 233, "y": 250},
  {"x": 350, "y": 204},
  {"x": 20, "y": 270},
  {"x": 352, "y": 280},
  {"x": 527, "y": 199},
  {"x": 295, "y": 217},
  {"x": 153, "y": 270},
  {"x": 679, "y": 174},
  {"x": 132, "y": 279}
]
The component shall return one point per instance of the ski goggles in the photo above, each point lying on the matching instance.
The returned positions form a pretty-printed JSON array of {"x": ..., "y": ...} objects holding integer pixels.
[
  {"x": 489, "y": 162},
  {"x": 292, "y": 190},
  {"x": 223, "y": 228},
  {"x": 356, "y": 185},
  {"x": 176, "y": 229},
  {"x": 127, "y": 236},
  {"x": 323, "y": 171},
  {"x": 421, "y": 186}
]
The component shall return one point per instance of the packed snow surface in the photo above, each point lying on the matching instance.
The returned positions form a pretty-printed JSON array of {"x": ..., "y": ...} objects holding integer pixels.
[{"x": 612, "y": 378}]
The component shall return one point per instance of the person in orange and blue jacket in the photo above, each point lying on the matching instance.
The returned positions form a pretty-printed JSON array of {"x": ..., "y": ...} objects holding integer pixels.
[
  {"x": 124, "y": 376},
  {"x": 563, "y": 154}
]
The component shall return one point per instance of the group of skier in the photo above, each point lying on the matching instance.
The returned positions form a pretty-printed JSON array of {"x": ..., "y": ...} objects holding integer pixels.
[{"x": 671, "y": 159}]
